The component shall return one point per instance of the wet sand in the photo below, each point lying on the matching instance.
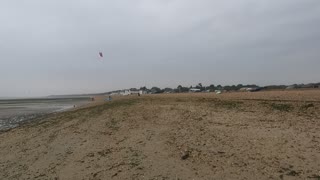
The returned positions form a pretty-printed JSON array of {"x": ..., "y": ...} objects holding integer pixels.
[
  {"x": 262, "y": 135},
  {"x": 14, "y": 112}
]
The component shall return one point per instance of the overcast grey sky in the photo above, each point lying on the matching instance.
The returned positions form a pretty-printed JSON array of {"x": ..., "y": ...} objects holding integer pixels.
[{"x": 51, "y": 47}]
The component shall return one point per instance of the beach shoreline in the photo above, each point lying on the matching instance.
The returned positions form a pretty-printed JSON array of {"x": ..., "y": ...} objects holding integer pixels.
[{"x": 12, "y": 120}]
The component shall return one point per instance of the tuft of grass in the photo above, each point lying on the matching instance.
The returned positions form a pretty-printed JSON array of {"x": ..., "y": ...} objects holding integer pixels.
[
  {"x": 97, "y": 110},
  {"x": 113, "y": 124},
  {"x": 282, "y": 107},
  {"x": 317, "y": 177},
  {"x": 179, "y": 100},
  {"x": 119, "y": 103},
  {"x": 293, "y": 173},
  {"x": 307, "y": 106},
  {"x": 229, "y": 104},
  {"x": 86, "y": 113},
  {"x": 264, "y": 103}
]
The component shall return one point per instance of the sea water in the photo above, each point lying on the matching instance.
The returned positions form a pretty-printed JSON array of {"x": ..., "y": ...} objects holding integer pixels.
[{"x": 14, "y": 112}]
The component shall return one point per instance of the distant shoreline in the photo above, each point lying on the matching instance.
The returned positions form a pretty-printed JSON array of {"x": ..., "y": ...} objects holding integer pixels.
[{"x": 13, "y": 120}]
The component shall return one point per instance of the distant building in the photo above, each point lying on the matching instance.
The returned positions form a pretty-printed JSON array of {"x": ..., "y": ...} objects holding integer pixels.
[
  {"x": 243, "y": 89},
  {"x": 250, "y": 89},
  {"x": 291, "y": 87},
  {"x": 129, "y": 92},
  {"x": 137, "y": 92},
  {"x": 115, "y": 93},
  {"x": 194, "y": 90}
]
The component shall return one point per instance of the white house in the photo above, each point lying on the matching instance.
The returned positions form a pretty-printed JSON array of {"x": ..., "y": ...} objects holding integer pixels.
[
  {"x": 195, "y": 90},
  {"x": 129, "y": 92}
]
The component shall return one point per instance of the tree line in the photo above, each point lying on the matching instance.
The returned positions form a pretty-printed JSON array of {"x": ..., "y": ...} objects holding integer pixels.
[
  {"x": 202, "y": 88},
  {"x": 212, "y": 88}
]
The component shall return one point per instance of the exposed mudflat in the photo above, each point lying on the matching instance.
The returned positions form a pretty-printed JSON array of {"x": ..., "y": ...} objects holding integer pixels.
[{"x": 261, "y": 135}]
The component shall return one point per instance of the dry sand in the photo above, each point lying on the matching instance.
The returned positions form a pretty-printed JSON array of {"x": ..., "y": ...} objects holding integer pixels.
[{"x": 262, "y": 135}]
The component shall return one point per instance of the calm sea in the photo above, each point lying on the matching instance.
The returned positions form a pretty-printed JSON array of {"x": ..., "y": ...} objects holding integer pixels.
[{"x": 14, "y": 112}]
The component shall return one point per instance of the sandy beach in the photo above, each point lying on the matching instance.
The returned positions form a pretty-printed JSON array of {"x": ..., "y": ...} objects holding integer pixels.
[{"x": 260, "y": 135}]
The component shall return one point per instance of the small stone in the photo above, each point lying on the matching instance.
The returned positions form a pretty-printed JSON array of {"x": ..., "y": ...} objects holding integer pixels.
[
  {"x": 90, "y": 155},
  {"x": 185, "y": 155}
]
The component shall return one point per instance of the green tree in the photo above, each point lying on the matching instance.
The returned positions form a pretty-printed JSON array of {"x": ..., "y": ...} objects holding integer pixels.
[
  {"x": 143, "y": 88},
  {"x": 167, "y": 90},
  {"x": 211, "y": 87},
  {"x": 179, "y": 88},
  {"x": 155, "y": 90},
  {"x": 199, "y": 86}
]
